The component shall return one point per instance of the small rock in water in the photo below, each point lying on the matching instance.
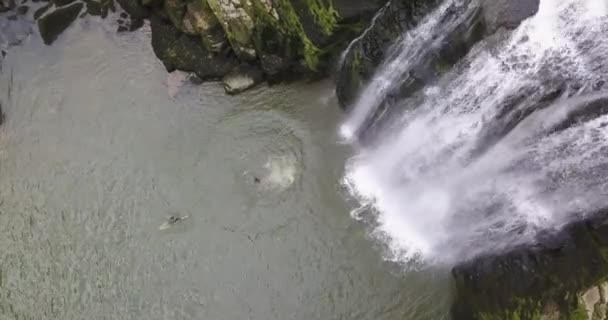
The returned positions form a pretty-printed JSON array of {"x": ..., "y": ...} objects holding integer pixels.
[
  {"x": 194, "y": 79},
  {"x": 242, "y": 78}
]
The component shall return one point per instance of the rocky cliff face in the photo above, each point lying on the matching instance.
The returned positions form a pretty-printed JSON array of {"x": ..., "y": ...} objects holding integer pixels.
[
  {"x": 563, "y": 277},
  {"x": 272, "y": 38},
  {"x": 397, "y": 17},
  {"x": 213, "y": 38}
]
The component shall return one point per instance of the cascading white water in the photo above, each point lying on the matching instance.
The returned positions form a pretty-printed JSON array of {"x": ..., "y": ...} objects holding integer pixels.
[
  {"x": 406, "y": 53},
  {"x": 485, "y": 161}
]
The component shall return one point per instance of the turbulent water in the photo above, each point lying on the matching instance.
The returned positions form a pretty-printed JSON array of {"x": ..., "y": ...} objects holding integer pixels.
[
  {"x": 100, "y": 146},
  {"x": 512, "y": 143}
]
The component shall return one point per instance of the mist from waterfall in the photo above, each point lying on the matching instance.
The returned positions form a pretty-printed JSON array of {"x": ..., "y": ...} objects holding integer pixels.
[{"x": 513, "y": 142}]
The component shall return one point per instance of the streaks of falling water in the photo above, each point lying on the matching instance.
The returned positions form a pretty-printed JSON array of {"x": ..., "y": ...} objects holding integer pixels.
[
  {"x": 413, "y": 46},
  {"x": 485, "y": 162}
]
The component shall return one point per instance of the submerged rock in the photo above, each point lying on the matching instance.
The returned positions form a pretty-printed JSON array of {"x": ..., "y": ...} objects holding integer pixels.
[
  {"x": 508, "y": 13},
  {"x": 54, "y": 23},
  {"x": 242, "y": 78}
]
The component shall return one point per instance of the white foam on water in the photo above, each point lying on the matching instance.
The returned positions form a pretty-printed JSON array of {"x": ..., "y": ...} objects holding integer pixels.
[
  {"x": 451, "y": 179},
  {"x": 282, "y": 171}
]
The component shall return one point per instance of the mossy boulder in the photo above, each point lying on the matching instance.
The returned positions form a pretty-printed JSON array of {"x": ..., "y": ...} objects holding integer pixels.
[
  {"x": 54, "y": 23},
  {"x": 200, "y": 20},
  {"x": 187, "y": 53},
  {"x": 238, "y": 26},
  {"x": 175, "y": 9}
]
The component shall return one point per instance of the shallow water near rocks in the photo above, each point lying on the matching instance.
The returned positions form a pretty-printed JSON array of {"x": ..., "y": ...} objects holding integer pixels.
[{"x": 96, "y": 154}]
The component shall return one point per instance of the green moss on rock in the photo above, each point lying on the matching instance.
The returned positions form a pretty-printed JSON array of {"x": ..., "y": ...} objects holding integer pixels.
[
  {"x": 237, "y": 25},
  {"x": 324, "y": 14},
  {"x": 175, "y": 9},
  {"x": 179, "y": 51}
]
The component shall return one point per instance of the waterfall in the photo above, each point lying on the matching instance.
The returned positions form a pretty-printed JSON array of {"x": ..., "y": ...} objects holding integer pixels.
[
  {"x": 510, "y": 144},
  {"x": 409, "y": 50}
]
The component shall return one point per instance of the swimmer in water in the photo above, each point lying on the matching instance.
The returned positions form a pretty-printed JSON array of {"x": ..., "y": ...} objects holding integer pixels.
[
  {"x": 257, "y": 180},
  {"x": 171, "y": 221}
]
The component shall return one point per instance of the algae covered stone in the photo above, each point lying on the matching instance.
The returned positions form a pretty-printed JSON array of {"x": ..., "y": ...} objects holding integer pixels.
[
  {"x": 54, "y": 23},
  {"x": 238, "y": 26},
  {"x": 187, "y": 53}
]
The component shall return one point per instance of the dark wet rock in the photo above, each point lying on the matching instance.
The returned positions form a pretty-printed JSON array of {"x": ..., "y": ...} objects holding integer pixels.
[
  {"x": 194, "y": 79},
  {"x": 40, "y": 11},
  {"x": 93, "y": 8},
  {"x": 2, "y": 117},
  {"x": 175, "y": 9},
  {"x": 242, "y": 78},
  {"x": 136, "y": 24},
  {"x": 396, "y": 18},
  {"x": 182, "y": 52},
  {"x": 122, "y": 29},
  {"x": 151, "y": 3},
  {"x": 22, "y": 10},
  {"x": 54, "y": 23},
  {"x": 61, "y": 3},
  {"x": 134, "y": 8},
  {"x": 124, "y": 15},
  {"x": 551, "y": 278},
  {"x": 508, "y": 13},
  {"x": 12, "y": 17}
]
